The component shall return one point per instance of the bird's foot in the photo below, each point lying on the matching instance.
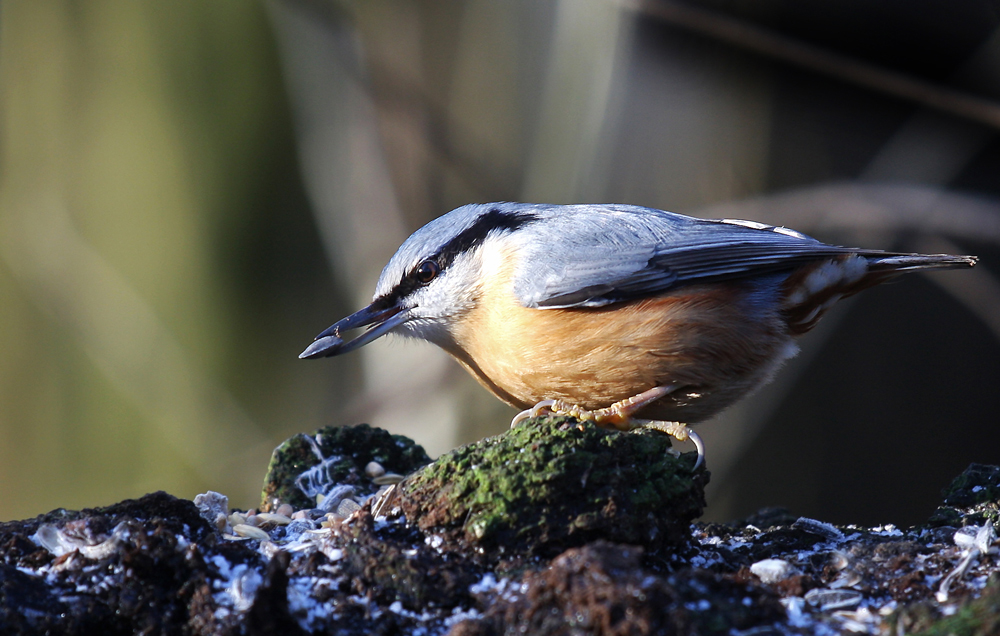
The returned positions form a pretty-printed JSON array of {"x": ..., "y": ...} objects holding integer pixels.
[
  {"x": 545, "y": 406},
  {"x": 680, "y": 432},
  {"x": 619, "y": 416}
]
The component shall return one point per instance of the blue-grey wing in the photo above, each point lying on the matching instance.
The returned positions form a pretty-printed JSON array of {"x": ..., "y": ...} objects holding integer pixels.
[{"x": 594, "y": 255}]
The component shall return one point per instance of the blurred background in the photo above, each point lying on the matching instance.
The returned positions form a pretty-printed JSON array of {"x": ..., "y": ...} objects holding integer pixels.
[{"x": 191, "y": 191}]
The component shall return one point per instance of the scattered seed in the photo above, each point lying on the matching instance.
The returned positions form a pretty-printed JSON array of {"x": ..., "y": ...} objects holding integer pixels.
[
  {"x": 334, "y": 497},
  {"x": 820, "y": 528},
  {"x": 388, "y": 479},
  {"x": 374, "y": 469},
  {"x": 384, "y": 499},
  {"x": 847, "y": 578},
  {"x": 347, "y": 507},
  {"x": 237, "y": 518},
  {"x": 827, "y": 600},
  {"x": 772, "y": 570},
  {"x": 271, "y": 517},
  {"x": 285, "y": 510},
  {"x": 250, "y": 532},
  {"x": 839, "y": 560}
]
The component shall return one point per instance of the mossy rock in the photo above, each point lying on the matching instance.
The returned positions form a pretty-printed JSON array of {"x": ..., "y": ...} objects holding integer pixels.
[
  {"x": 392, "y": 563},
  {"x": 345, "y": 452},
  {"x": 971, "y": 498},
  {"x": 554, "y": 483},
  {"x": 603, "y": 588},
  {"x": 977, "y": 617}
]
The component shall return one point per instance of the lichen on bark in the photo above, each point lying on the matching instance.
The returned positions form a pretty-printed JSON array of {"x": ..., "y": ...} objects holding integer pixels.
[{"x": 553, "y": 483}]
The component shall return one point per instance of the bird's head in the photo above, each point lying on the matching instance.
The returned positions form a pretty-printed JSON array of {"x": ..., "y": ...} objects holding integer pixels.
[{"x": 431, "y": 281}]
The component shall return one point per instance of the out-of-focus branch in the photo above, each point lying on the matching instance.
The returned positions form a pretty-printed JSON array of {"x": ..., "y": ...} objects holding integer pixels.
[
  {"x": 384, "y": 85},
  {"x": 888, "y": 208},
  {"x": 791, "y": 51}
]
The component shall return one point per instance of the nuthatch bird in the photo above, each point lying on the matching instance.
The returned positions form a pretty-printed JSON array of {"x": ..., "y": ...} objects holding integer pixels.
[{"x": 619, "y": 314}]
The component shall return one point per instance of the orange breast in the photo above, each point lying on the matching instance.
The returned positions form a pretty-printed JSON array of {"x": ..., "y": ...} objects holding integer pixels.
[{"x": 710, "y": 339}]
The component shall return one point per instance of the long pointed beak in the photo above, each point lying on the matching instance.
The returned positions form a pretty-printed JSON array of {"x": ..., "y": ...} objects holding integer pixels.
[{"x": 379, "y": 322}]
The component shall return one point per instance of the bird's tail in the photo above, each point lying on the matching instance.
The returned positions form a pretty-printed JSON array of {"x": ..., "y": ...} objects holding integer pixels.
[
  {"x": 892, "y": 263},
  {"x": 812, "y": 290}
]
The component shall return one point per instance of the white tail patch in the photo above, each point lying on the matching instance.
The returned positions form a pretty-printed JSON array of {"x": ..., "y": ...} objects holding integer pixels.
[
  {"x": 830, "y": 276},
  {"x": 820, "y": 288}
]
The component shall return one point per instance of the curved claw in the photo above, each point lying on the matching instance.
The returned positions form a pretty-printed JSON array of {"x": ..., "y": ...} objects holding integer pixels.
[
  {"x": 680, "y": 432},
  {"x": 534, "y": 411},
  {"x": 520, "y": 417},
  {"x": 700, "y": 445},
  {"x": 544, "y": 405}
]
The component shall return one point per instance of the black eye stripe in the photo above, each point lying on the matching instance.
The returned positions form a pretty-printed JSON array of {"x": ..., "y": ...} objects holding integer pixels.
[
  {"x": 474, "y": 235},
  {"x": 467, "y": 240}
]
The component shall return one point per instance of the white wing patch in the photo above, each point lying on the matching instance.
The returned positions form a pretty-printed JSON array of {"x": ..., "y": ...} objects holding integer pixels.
[{"x": 763, "y": 226}]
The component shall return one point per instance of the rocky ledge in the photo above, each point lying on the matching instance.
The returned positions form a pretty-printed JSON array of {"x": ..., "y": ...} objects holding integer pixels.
[{"x": 556, "y": 527}]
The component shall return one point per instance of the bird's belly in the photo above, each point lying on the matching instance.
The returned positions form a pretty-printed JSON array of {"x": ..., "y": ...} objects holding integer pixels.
[{"x": 712, "y": 342}]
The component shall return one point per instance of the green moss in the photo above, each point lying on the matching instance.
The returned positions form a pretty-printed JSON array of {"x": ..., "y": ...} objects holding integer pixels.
[
  {"x": 972, "y": 498},
  {"x": 553, "y": 483},
  {"x": 347, "y": 450},
  {"x": 980, "y": 617}
]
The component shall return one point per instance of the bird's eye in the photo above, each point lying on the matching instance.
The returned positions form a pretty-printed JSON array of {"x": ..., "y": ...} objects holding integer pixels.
[{"x": 426, "y": 272}]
